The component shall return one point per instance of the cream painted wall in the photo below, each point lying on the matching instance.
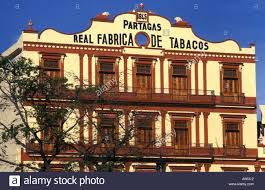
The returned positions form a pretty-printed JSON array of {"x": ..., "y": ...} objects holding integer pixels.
[
  {"x": 33, "y": 55},
  {"x": 158, "y": 127},
  {"x": 85, "y": 69},
  {"x": 250, "y": 131},
  {"x": 86, "y": 125},
  {"x": 215, "y": 130},
  {"x": 72, "y": 125},
  {"x": 192, "y": 77},
  {"x": 213, "y": 76},
  {"x": 121, "y": 75},
  {"x": 166, "y": 69},
  {"x": 72, "y": 68},
  {"x": 193, "y": 131},
  {"x": 11, "y": 149},
  {"x": 201, "y": 129},
  {"x": 94, "y": 129},
  {"x": 129, "y": 73},
  {"x": 168, "y": 130},
  {"x": 249, "y": 79},
  {"x": 261, "y": 152},
  {"x": 121, "y": 126},
  {"x": 216, "y": 168},
  {"x": 157, "y": 76},
  {"x": 94, "y": 62},
  {"x": 200, "y": 77},
  {"x": 31, "y": 120}
]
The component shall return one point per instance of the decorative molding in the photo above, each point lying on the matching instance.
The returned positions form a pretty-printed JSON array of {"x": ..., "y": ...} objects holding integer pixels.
[
  {"x": 228, "y": 116},
  {"x": 237, "y": 169},
  {"x": 36, "y": 46},
  {"x": 177, "y": 114}
]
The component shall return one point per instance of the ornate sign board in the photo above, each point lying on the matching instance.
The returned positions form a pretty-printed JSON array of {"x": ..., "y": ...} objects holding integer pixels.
[{"x": 141, "y": 29}]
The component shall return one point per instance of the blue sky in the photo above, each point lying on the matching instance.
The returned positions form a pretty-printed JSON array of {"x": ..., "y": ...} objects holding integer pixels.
[{"x": 241, "y": 20}]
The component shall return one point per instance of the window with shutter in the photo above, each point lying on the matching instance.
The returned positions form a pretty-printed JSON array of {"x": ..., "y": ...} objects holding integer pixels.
[
  {"x": 230, "y": 81},
  {"x": 181, "y": 133},
  {"x": 232, "y": 134},
  {"x": 179, "y": 80},
  {"x": 143, "y": 79},
  {"x": 53, "y": 126},
  {"x": 106, "y": 73},
  {"x": 51, "y": 67},
  {"x": 107, "y": 127},
  {"x": 144, "y": 130}
]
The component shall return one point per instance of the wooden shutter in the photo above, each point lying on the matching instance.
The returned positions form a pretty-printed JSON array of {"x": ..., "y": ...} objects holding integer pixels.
[
  {"x": 51, "y": 67},
  {"x": 232, "y": 134},
  {"x": 143, "y": 79},
  {"x": 181, "y": 133},
  {"x": 179, "y": 80},
  {"x": 106, "y": 73},
  {"x": 144, "y": 130},
  {"x": 230, "y": 81},
  {"x": 107, "y": 127}
]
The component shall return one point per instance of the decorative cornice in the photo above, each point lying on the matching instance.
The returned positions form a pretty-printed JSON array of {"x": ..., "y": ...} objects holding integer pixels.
[
  {"x": 208, "y": 55},
  {"x": 228, "y": 116},
  {"x": 173, "y": 114}
]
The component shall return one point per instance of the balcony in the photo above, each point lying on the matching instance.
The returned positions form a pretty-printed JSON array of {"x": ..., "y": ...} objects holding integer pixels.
[
  {"x": 237, "y": 151},
  {"x": 148, "y": 150},
  {"x": 188, "y": 96},
  {"x": 194, "y": 150},
  {"x": 47, "y": 148},
  {"x": 233, "y": 99},
  {"x": 179, "y": 151},
  {"x": 132, "y": 151}
]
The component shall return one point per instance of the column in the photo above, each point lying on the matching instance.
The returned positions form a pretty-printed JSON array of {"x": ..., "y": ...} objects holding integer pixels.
[
  {"x": 197, "y": 115},
  {"x": 90, "y": 128},
  {"x": 196, "y": 79},
  {"x": 153, "y": 76},
  {"x": 81, "y": 125},
  {"x": 125, "y": 60},
  {"x": 162, "y": 74},
  {"x": 117, "y": 73},
  {"x": 205, "y": 77},
  {"x": 163, "y": 127},
  {"x": 89, "y": 69},
  {"x": 206, "y": 114},
  {"x": 81, "y": 78}
]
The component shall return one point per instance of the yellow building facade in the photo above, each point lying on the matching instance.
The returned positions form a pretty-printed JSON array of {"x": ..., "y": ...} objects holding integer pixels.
[{"x": 203, "y": 91}]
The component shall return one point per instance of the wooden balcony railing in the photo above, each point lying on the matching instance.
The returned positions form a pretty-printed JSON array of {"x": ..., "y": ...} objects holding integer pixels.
[
  {"x": 191, "y": 96},
  {"x": 47, "y": 148},
  {"x": 233, "y": 99},
  {"x": 184, "y": 150},
  {"x": 148, "y": 150},
  {"x": 137, "y": 151},
  {"x": 239, "y": 151}
]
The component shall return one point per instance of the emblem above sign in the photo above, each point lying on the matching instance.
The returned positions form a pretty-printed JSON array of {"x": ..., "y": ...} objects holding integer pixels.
[{"x": 142, "y": 17}]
